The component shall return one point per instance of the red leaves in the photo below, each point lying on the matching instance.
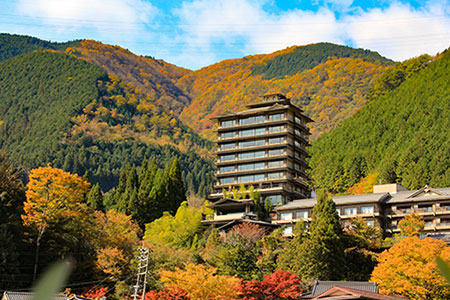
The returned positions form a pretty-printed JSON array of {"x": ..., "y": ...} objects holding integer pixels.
[
  {"x": 172, "y": 294},
  {"x": 279, "y": 285}
]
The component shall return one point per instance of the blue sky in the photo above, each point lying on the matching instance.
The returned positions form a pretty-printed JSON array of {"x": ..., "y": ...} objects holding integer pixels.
[{"x": 196, "y": 33}]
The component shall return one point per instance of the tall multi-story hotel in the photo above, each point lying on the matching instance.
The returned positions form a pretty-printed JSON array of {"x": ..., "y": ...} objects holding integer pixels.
[{"x": 263, "y": 146}]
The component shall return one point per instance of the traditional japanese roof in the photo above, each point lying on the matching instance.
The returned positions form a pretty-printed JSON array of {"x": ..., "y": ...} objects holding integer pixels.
[
  {"x": 240, "y": 221},
  {"x": 9, "y": 295},
  {"x": 344, "y": 293},
  {"x": 339, "y": 200},
  {"x": 424, "y": 194},
  {"x": 321, "y": 287},
  {"x": 230, "y": 201}
]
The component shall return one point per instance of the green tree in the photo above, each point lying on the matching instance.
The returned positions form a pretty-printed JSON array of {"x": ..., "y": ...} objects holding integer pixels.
[
  {"x": 177, "y": 191},
  {"x": 12, "y": 197},
  {"x": 95, "y": 198},
  {"x": 322, "y": 253}
]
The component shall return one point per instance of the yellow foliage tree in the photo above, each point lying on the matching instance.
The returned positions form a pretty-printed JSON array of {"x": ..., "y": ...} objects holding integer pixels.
[
  {"x": 365, "y": 186},
  {"x": 409, "y": 269},
  {"x": 52, "y": 194},
  {"x": 411, "y": 225},
  {"x": 201, "y": 283}
]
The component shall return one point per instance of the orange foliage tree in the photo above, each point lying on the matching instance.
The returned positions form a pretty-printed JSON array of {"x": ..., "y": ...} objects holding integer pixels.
[
  {"x": 365, "y": 186},
  {"x": 201, "y": 282},
  {"x": 411, "y": 225},
  {"x": 52, "y": 194},
  {"x": 409, "y": 269},
  {"x": 116, "y": 242}
]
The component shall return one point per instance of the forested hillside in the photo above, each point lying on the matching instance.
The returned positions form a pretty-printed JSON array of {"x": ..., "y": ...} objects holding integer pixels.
[
  {"x": 328, "y": 89},
  {"x": 402, "y": 133},
  {"x": 62, "y": 110},
  {"x": 12, "y": 45}
]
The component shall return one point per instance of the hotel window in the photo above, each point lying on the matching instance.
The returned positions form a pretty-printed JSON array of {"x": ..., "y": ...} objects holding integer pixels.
[
  {"x": 226, "y": 135},
  {"x": 249, "y": 178},
  {"x": 275, "y": 164},
  {"x": 298, "y": 120},
  {"x": 404, "y": 209},
  {"x": 349, "y": 211},
  {"x": 227, "y": 146},
  {"x": 227, "y": 157},
  {"x": 426, "y": 207},
  {"x": 428, "y": 223},
  {"x": 275, "y": 199},
  {"x": 286, "y": 216},
  {"x": 297, "y": 144},
  {"x": 276, "y": 128},
  {"x": 226, "y": 169},
  {"x": 247, "y": 167},
  {"x": 287, "y": 230},
  {"x": 370, "y": 223},
  {"x": 338, "y": 211},
  {"x": 250, "y": 132},
  {"x": 297, "y": 132},
  {"x": 250, "y": 155},
  {"x": 277, "y": 140},
  {"x": 228, "y": 123},
  {"x": 303, "y": 214},
  {"x": 253, "y": 143},
  {"x": 275, "y": 175},
  {"x": 276, "y": 117},
  {"x": 367, "y": 209},
  {"x": 276, "y": 152},
  {"x": 226, "y": 180},
  {"x": 252, "y": 120}
]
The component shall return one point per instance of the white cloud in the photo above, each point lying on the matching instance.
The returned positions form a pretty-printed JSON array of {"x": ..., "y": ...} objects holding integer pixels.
[
  {"x": 206, "y": 22},
  {"x": 400, "y": 31},
  {"x": 109, "y": 17}
]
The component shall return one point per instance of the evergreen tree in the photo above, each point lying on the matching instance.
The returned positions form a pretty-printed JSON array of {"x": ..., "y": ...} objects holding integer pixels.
[
  {"x": 131, "y": 187},
  {"x": 157, "y": 197},
  {"x": 95, "y": 198},
  {"x": 176, "y": 189},
  {"x": 322, "y": 255}
]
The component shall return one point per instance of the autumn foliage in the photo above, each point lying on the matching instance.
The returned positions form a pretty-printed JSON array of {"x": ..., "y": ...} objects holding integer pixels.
[
  {"x": 279, "y": 285},
  {"x": 409, "y": 269},
  {"x": 201, "y": 282}
]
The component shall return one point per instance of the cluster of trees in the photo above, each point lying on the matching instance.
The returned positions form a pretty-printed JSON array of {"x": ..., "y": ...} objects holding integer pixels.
[{"x": 401, "y": 135}]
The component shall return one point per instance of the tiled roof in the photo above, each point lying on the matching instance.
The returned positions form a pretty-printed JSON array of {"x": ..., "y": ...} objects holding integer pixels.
[
  {"x": 343, "y": 293},
  {"x": 321, "y": 287},
  {"x": 416, "y": 196},
  {"x": 7, "y": 295},
  {"x": 339, "y": 200}
]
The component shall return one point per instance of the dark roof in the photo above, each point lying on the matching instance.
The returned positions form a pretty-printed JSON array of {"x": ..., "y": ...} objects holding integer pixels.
[
  {"x": 240, "y": 221},
  {"x": 321, "y": 287},
  {"x": 345, "y": 293},
  {"x": 7, "y": 295}
]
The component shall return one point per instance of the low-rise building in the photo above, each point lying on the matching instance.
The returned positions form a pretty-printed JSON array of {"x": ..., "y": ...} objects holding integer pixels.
[{"x": 385, "y": 207}]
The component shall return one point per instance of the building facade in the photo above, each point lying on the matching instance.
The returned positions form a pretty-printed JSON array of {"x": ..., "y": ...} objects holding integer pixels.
[
  {"x": 263, "y": 146},
  {"x": 385, "y": 207}
]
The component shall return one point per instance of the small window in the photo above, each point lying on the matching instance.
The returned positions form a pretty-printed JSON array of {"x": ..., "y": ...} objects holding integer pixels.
[
  {"x": 275, "y": 164},
  {"x": 276, "y": 117},
  {"x": 250, "y": 178},
  {"x": 370, "y": 223},
  {"x": 275, "y": 199},
  {"x": 303, "y": 214},
  {"x": 286, "y": 216},
  {"x": 277, "y": 140},
  {"x": 254, "y": 166},
  {"x": 253, "y": 143},
  {"x": 276, "y": 128},
  {"x": 227, "y": 157},
  {"x": 228, "y": 123},
  {"x": 275, "y": 152},
  {"x": 338, "y": 211},
  {"x": 428, "y": 223},
  {"x": 226, "y": 180},
  {"x": 250, "y": 155},
  {"x": 227, "y": 146},
  {"x": 227, "y": 135},
  {"x": 287, "y": 230},
  {"x": 226, "y": 169},
  {"x": 275, "y": 175},
  {"x": 367, "y": 209},
  {"x": 349, "y": 211},
  {"x": 404, "y": 209},
  {"x": 252, "y": 120}
]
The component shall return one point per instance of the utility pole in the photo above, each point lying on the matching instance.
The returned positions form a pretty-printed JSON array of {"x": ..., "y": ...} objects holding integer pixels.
[{"x": 141, "y": 282}]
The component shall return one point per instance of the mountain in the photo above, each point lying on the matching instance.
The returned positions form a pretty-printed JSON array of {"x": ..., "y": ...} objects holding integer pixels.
[
  {"x": 327, "y": 81},
  {"x": 401, "y": 134},
  {"x": 12, "y": 45},
  {"x": 59, "y": 109},
  {"x": 86, "y": 106}
]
